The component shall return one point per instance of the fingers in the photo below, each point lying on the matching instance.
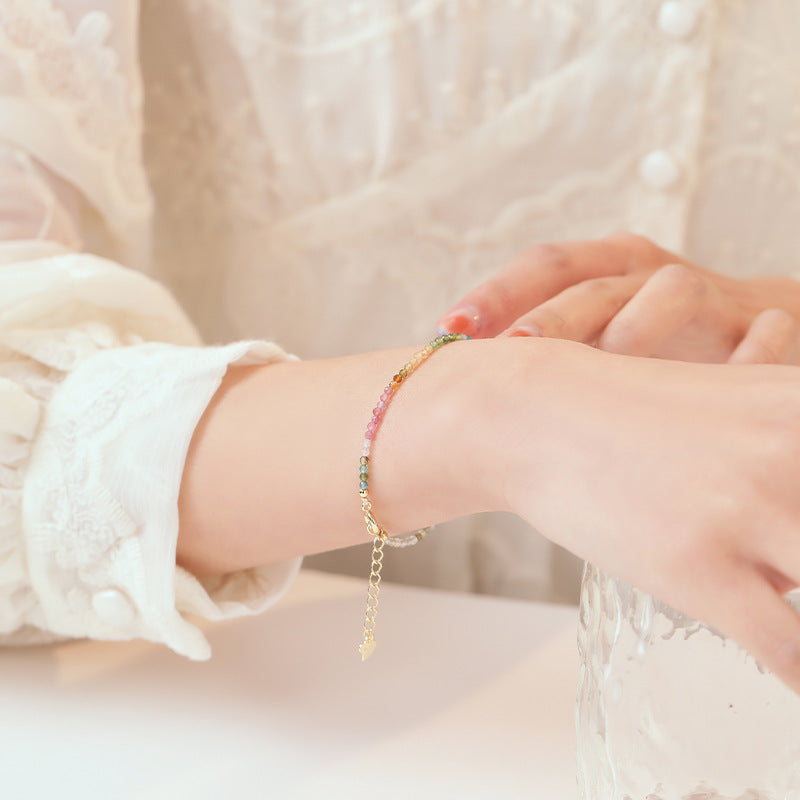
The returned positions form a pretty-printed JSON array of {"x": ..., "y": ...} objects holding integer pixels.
[
  {"x": 580, "y": 312},
  {"x": 539, "y": 274},
  {"x": 773, "y": 338},
  {"x": 670, "y": 299},
  {"x": 762, "y": 621}
]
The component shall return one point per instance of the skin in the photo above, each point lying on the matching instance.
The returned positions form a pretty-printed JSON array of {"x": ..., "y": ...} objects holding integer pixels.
[
  {"x": 678, "y": 477},
  {"x": 626, "y": 295}
]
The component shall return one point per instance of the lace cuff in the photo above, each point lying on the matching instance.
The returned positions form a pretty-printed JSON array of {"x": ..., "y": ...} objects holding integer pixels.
[
  {"x": 100, "y": 501},
  {"x": 95, "y": 423}
]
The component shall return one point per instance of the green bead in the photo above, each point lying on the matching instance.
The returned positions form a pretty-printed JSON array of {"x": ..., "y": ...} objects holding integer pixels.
[
  {"x": 363, "y": 485},
  {"x": 363, "y": 469}
]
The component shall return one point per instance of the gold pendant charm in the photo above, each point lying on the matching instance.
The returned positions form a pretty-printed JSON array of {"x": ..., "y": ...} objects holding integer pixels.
[{"x": 366, "y": 648}]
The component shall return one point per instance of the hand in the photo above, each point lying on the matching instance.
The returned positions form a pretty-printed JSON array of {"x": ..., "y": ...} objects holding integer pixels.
[
  {"x": 679, "y": 478},
  {"x": 626, "y": 295}
]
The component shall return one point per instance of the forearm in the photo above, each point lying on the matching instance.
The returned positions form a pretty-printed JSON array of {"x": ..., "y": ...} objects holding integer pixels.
[{"x": 272, "y": 471}]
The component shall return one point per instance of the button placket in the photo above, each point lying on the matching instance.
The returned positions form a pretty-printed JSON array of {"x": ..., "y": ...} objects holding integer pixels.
[
  {"x": 659, "y": 170},
  {"x": 678, "y": 18}
]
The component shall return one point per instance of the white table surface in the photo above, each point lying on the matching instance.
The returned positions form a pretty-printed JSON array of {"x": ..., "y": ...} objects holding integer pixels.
[{"x": 465, "y": 697}]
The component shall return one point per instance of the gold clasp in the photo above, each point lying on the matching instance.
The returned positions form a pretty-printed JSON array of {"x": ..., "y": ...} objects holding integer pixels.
[{"x": 372, "y": 524}]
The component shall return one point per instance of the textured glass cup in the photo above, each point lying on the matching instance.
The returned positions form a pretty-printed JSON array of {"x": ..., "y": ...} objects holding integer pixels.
[{"x": 668, "y": 709}]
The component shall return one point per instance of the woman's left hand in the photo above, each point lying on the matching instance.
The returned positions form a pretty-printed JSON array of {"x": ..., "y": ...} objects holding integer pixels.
[{"x": 626, "y": 295}]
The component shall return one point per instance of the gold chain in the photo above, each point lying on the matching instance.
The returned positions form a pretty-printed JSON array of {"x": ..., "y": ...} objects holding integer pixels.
[
  {"x": 368, "y": 644},
  {"x": 380, "y": 537}
]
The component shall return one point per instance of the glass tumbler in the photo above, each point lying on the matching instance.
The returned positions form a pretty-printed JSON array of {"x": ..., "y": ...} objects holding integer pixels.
[{"x": 669, "y": 709}]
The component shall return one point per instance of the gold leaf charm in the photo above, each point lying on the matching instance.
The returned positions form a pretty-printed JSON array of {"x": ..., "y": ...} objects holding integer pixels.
[{"x": 366, "y": 648}]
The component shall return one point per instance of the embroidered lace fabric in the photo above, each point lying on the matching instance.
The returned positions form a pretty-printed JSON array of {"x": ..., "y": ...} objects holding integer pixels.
[
  {"x": 89, "y": 481},
  {"x": 325, "y": 174}
]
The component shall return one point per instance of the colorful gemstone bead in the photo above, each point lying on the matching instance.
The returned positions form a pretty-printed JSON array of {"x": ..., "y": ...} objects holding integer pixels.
[{"x": 386, "y": 398}]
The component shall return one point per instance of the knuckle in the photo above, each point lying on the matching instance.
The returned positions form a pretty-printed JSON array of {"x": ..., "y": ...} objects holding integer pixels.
[
  {"x": 622, "y": 336},
  {"x": 766, "y": 349},
  {"x": 607, "y": 287},
  {"x": 772, "y": 337},
  {"x": 640, "y": 245},
  {"x": 496, "y": 292},
  {"x": 548, "y": 321},
  {"x": 780, "y": 321},
  {"x": 547, "y": 254},
  {"x": 684, "y": 278},
  {"x": 767, "y": 353}
]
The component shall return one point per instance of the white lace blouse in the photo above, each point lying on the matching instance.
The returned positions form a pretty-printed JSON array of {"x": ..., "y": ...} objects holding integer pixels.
[{"x": 329, "y": 175}]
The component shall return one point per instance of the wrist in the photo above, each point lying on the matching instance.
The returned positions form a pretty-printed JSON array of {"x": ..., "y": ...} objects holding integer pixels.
[
  {"x": 431, "y": 459},
  {"x": 454, "y": 431}
]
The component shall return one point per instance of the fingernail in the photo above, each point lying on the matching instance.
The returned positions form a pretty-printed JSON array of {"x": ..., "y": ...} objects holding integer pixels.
[
  {"x": 464, "y": 319},
  {"x": 522, "y": 330}
]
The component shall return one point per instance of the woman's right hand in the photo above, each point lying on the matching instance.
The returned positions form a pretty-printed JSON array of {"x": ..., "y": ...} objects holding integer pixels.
[{"x": 682, "y": 479}]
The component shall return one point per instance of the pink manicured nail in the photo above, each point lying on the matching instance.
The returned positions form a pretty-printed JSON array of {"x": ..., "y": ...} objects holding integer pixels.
[
  {"x": 463, "y": 319},
  {"x": 522, "y": 330}
]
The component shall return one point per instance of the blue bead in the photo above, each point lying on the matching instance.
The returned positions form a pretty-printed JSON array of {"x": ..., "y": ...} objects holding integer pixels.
[
  {"x": 364, "y": 468},
  {"x": 363, "y": 485}
]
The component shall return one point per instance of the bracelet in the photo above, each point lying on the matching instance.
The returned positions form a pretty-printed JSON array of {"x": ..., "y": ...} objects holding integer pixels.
[{"x": 380, "y": 537}]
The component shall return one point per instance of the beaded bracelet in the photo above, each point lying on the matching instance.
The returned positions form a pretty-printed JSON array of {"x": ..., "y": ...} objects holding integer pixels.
[{"x": 380, "y": 537}]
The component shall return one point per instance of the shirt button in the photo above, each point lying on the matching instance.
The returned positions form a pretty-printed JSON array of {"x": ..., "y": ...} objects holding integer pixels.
[
  {"x": 659, "y": 170},
  {"x": 678, "y": 18},
  {"x": 113, "y": 608}
]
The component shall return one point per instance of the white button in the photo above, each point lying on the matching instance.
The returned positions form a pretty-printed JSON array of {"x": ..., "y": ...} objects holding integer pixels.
[
  {"x": 659, "y": 170},
  {"x": 677, "y": 18},
  {"x": 113, "y": 607}
]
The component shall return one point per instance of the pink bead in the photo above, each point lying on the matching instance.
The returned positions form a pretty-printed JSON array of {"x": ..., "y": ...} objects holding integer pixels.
[
  {"x": 370, "y": 434},
  {"x": 385, "y": 396}
]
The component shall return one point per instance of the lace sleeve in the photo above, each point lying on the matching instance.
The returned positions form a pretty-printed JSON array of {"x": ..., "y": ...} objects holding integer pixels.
[
  {"x": 103, "y": 378},
  {"x": 95, "y": 423}
]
